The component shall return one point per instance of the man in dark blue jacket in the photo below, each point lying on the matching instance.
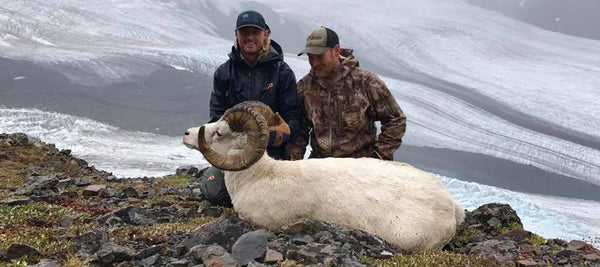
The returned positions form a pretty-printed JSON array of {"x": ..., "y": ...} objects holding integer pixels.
[{"x": 256, "y": 71}]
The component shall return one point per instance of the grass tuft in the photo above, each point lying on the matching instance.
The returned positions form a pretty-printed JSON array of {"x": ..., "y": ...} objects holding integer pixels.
[{"x": 431, "y": 258}]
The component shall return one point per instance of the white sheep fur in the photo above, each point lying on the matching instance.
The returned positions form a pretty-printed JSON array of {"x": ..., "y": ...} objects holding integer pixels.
[{"x": 395, "y": 201}]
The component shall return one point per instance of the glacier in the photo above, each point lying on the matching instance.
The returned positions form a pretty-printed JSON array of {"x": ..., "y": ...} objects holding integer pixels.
[{"x": 468, "y": 79}]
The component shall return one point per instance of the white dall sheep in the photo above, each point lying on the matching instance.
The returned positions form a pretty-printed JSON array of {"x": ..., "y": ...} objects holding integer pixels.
[{"x": 395, "y": 201}]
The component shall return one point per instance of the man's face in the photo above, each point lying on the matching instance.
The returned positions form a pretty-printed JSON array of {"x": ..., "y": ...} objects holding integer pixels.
[
  {"x": 250, "y": 39},
  {"x": 323, "y": 65}
]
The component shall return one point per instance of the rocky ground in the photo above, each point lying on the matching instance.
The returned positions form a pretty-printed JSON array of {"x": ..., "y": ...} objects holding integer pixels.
[{"x": 56, "y": 210}]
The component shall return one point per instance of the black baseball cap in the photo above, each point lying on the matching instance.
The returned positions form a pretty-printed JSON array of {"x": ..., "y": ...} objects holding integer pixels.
[
  {"x": 250, "y": 18},
  {"x": 319, "y": 40}
]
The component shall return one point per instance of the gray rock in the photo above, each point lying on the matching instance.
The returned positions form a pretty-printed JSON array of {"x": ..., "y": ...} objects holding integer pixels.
[
  {"x": 111, "y": 253},
  {"x": 93, "y": 190},
  {"x": 494, "y": 216},
  {"x": 151, "y": 261},
  {"x": 133, "y": 215},
  {"x": 107, "y": 192},
  {"x": 179, "y": 263},
  {"x": 517, "y": 235},
  {"x": 46, "y": 196},
  {"x": 186, "y": 170},
  {"x": 196, "y": 194},
  {"x": 529, "y": 263},
  {"x": 304, "y": 256},
  {"x": 36, "y": 185},
  {"x": 88, "y": 243},
  {"x": 83, "y": 181},
  {"x": 335, "y": 242},
  {"x": 255, "y": 264},
  {"x": 273, "y": 256},
  {"x": 69, "y": 194},
  {"x": 503, "y": 251},
  {"x": 16, "y": 251},
  {"x": 65, "y": 183},
  {"x": 18, "y": 139},
  {"x": 250, "y": 246},
  {"x": 576, "y": 245},
  {"x": 145, "y": 253},
  {"x": 352, "y": 263},
  {"x": 213, "y": 255},
  {"x": 45, "y": 263},
  {"x": 80, "y": 162},
  {"x": 114, "y": 221},
  {"x": 224, "y": 231},
  {"x": 302, "y": 240},
  {"x": 128, "y": 192},
  {"x": 15, "y": 201},
  {"x": 324, "y": 237},
  {"x": 207, "y": 210},
  {"x": 329, "y": 249}
]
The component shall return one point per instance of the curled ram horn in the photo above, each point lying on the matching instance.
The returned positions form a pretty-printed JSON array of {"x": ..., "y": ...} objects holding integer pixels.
[{"x": 246, "y": 117}]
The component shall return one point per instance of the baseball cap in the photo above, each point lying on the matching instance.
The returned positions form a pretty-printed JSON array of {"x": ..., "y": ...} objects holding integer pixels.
[
  {"x": 250, "y": 18},
  {"x": 319, "y": 40}
]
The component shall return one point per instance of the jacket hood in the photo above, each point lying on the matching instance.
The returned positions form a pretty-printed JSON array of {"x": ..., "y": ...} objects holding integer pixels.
[{"x": 347, "y": 63}]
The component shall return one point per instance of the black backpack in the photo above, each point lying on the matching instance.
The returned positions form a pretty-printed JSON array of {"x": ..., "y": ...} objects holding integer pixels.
[{"x": 212, "y": 186}]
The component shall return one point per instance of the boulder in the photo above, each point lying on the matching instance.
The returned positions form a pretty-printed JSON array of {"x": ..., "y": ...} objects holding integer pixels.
[
  {"x": 223, "y": 231},
  {"x": 250, "y": 246},
  {"x": 111, "y": 253}
]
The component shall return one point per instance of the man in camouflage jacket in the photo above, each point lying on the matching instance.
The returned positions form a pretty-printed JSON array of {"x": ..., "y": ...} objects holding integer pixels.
[{"x": 341, "y": 103}]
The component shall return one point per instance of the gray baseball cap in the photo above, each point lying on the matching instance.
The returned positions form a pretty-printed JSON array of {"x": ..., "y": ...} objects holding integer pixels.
[{"x": 319, "y": 40}]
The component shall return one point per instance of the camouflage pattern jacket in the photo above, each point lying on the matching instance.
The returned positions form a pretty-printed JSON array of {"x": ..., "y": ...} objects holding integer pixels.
[{"x": 340, "y": 114}]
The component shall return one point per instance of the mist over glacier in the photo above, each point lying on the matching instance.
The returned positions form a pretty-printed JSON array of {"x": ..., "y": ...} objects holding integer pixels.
[{"x": 117, "y": 82}]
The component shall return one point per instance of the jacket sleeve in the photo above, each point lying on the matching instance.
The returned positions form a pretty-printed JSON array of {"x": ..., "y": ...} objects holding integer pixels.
[
  {"x": 387, "y": 111},
  {"x": 287, "y": 101},
  {"x": 218, "y": 99},
  {"x": 297, "y": 146}
]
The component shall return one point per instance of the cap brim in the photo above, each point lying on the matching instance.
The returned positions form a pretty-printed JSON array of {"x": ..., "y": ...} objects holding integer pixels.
[
  {"x": 250, "y": 25},
  {"x": 313, "y": 50}
]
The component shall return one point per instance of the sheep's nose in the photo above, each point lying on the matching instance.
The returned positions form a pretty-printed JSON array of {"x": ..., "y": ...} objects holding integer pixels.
[{"x": 186, "y": 133}]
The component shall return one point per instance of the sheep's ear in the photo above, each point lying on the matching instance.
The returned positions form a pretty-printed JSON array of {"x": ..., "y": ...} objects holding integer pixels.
[{"x": 241, "y": 119}]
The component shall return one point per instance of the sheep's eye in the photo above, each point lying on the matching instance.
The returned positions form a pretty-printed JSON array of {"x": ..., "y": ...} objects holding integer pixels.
[{"x": 218, "y": 134}]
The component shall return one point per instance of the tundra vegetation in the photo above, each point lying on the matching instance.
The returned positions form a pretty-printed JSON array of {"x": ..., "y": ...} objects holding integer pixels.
[{"x": 55, "y": 208}]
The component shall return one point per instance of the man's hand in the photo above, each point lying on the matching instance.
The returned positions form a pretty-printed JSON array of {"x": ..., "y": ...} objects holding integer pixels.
[{"x": 279, "y": 134}]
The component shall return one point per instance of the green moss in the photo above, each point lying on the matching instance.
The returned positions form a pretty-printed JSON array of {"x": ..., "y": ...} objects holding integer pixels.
[
  {"x": 462, "y": 237},
  {"x": 21, "y": 214},
  {"x": 536, "y": 240},
  {"x": 155, "y": 234},
  {"x": 174, "y": 180},
  {"x": 229, "y": 212},
  {"x": 289, "y": 263},
  {"x": 16, "y": 263},
  {"x": 511, "y": 226},
  {"x": 35, "y": 224},
  {"x": 432, "y": 258}
]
